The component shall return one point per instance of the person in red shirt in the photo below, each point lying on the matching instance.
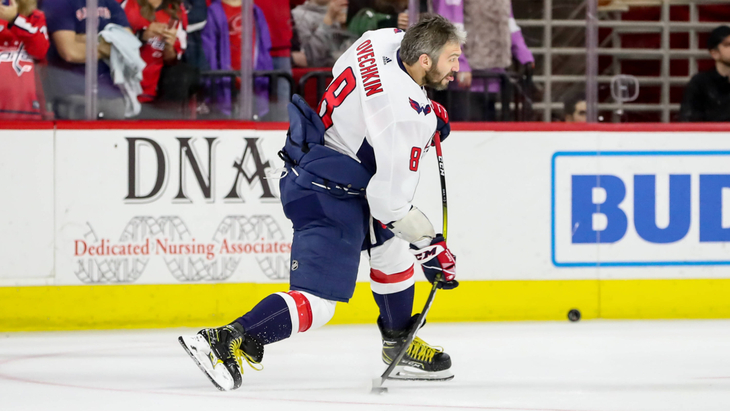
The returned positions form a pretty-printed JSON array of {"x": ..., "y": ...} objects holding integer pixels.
[
  {"x": 23, "y": 38},
  {"x": 161, "y": 26},
  {"x": 232, "y": 8},
  {"x": 278, "y": 15}
]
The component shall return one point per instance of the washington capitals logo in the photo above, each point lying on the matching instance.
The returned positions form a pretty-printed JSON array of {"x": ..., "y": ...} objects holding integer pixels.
[
  {"x": 425, "y": 109},
  {"x": 16, "y": 57}
]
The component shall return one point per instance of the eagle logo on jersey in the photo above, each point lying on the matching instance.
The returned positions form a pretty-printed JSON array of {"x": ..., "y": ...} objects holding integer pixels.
[{"x": 425, "y": 109}]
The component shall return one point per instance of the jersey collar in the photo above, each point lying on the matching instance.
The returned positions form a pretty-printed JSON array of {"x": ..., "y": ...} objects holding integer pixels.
[
  {"x": 400, "y": 62},
  {"x": 403, "y": 67}
]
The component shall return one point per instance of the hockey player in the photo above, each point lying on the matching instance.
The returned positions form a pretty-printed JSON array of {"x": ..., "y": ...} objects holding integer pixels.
[{"x": 353, "y": 168}]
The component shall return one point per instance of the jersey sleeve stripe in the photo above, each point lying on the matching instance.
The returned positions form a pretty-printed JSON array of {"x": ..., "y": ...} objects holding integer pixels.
[{"x": 25, "y": 25}]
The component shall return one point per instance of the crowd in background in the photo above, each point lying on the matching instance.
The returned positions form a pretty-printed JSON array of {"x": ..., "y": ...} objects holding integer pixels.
[{"x": 167, "y": 59}]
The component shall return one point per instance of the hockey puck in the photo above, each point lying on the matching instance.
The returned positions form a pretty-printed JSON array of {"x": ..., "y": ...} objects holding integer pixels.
[{"x": 574, "y": 315}]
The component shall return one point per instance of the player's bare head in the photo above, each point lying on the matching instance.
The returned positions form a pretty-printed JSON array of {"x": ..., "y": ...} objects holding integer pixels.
[
  {"x": 433, "y": 46},
  {"x": 429, "y": 36}
]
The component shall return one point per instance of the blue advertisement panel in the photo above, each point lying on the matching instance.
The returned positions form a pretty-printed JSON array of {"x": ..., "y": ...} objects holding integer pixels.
[{"x": 640, "y": 208}]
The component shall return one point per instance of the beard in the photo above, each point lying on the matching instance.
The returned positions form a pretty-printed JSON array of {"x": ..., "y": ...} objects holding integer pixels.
[{"x": 435, "y": 80}]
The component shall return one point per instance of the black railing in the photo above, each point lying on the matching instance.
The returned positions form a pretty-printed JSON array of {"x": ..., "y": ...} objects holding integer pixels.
[
  {"x": 514, "y": 89},
  {"x": 232, "y": 75},
  {"x": 322, "y": 78},
  {"x": 524, "y": 89}
]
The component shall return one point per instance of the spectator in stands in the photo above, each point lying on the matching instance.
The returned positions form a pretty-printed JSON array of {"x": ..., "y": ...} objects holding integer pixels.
[
  {"x": 707, "y": 96},
  {"x": 322, "y": 32},
  {"x": 575, "y": 108},
  {"x": 197, "y": 17},
  {"x": 23, "y": 39},
  {"x": 364, "y": 15},
  {"x": 278, "y": 17},
  {"x": 298, "y": 58},
  {"x": 194, "y": 55},
  {"x": 222, "y": 47},
  {"x": 493, "y": 41},
  {"x": 64, "y": 81},
  {"x": 161, "y": 26}
]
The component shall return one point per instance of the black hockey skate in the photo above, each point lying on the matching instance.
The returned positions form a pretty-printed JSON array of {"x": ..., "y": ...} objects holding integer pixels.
[
  {"x": 220, "y": 352},
  {"x": 421, "y": 362}
]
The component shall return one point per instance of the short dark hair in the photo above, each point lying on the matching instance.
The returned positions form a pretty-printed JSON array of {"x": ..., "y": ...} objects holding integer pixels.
[
  {"x": 717, "y": 36},
  {"x": 429, "y": 36},
  {"x": 570, "y": 103}
]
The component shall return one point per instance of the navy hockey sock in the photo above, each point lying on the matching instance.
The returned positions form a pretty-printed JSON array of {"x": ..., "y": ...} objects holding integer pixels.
[
  {"x": 269, "y": 321},
  {"x": 395, "y": 309}
]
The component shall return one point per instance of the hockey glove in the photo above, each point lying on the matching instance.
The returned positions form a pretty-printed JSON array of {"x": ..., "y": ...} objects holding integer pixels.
[
  {"x": 437, "y": 258},
  {"x": 442, "y": 120}
]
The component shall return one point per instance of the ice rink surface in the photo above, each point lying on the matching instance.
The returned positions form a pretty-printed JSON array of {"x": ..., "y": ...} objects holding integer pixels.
[{"x": 527, "y": 366}]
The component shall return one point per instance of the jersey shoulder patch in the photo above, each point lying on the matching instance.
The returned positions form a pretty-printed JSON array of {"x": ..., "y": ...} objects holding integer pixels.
[{"x": 419, "y": 108}]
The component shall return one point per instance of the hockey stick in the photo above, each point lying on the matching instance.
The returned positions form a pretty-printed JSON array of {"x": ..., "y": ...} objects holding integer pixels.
[
  {"x": 442, "y": 174},
  {"x": 378, "y": 382}
]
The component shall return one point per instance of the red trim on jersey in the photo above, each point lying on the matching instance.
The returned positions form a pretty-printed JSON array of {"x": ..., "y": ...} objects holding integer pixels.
[
  {"x": 304, "y": 310},
  {"x": 382, "y": 278}
]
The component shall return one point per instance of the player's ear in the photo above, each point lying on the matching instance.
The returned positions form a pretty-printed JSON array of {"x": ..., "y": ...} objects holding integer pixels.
[{"x": 425, "y": 61}]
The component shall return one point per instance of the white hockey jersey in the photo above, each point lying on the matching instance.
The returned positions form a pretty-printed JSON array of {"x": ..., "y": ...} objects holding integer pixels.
[{"x": 377, "y": 114}]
